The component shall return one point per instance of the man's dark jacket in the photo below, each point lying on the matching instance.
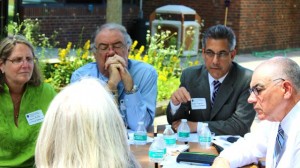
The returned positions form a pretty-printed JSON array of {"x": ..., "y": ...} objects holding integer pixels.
[{"x": 231, "y": 113}]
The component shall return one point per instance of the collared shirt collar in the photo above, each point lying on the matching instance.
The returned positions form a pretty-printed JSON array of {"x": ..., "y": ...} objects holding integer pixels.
[
  {"x": 211, "y": 79},
  {"x": 285, "y": 123}
]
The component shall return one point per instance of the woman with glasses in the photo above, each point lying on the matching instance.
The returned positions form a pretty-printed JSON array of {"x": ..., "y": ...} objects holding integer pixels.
[{"x": 24, "y": 99}]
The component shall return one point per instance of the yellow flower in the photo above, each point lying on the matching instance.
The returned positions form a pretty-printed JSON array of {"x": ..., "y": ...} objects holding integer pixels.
[
  {"x": 48, "y": 80},
  {"x": 62, "y": 53},
  {"x": 87, "y": 45},
  {"x": 174, "y": 59},
  {"x": 146, "y": 58},
  {"x": 162, "y": 77},
  {"x": 134, "y": 45},
  {"x": 141, "y": 50},
  {"x": 131, "y": 56},
  {"x": 138, "y": 57},
  {"x": 69, "y": 45},
  {"x": 196, "y": 62},
  {"x": 85, "y": 55}
]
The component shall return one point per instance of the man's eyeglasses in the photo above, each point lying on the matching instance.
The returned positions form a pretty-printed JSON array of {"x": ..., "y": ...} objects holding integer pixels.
[
  {"x": 221, "y": 54},
  {"x": 20, "y": 60},
  {"x": 105, "y": 47},
  {"x": 257, "y": 89}
]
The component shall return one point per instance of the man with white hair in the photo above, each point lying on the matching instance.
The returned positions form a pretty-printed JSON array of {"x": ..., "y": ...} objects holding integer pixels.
[
  {"x": 133, "y": 83},
  {"x": 275, "y": 95}
]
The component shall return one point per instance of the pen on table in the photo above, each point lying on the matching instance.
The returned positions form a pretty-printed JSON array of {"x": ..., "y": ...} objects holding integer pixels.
[
  {"x": 188, "y": 149},
  {"x": 155, "y": 129},
  {"x": 194, "y": 163}
]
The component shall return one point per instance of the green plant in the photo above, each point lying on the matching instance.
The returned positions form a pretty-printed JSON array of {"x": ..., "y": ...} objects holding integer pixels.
[
  {"x": 161, "y": 52},
  {"x": 60, "y": 73},
  {"x": 30, "y": 28},
  {"x": 165, "y": 57}
]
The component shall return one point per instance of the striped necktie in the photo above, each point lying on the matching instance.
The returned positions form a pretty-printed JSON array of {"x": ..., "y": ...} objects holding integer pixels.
[
  {"x": 279, "y": 145},
  {"x": 216, "y": 84}
]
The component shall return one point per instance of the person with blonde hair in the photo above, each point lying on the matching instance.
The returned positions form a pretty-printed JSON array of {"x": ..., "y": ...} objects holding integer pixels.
[{"x": 83, "y": 128}]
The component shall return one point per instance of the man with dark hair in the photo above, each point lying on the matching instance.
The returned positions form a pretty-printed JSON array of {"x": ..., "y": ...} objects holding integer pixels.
[{"x": 215, "y": 93}]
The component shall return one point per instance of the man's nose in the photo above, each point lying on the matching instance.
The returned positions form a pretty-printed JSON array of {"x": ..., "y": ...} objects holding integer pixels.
[
  {"x": 110, "y": 52},
  {"x": 216, "y": 59},
  {"x": 252, "y": 98}
]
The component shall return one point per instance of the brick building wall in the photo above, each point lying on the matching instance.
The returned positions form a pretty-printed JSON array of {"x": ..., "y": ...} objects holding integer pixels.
[
  {"x": 265, "y": 25},
  {"x": 73, "y": 21},
  {"x": 259, "y": 24}
]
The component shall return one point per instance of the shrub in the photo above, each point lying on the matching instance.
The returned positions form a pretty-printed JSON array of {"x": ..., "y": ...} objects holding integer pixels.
[
  {"x": 161, "y": 52},
  {"x": 60, "y": 73},
  {"x": 30, "y": 28},
  {"x": 163, "y": 55}
]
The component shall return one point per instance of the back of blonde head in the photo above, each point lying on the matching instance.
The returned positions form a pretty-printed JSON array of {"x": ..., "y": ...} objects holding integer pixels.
[{"x": 83, "y": 128}]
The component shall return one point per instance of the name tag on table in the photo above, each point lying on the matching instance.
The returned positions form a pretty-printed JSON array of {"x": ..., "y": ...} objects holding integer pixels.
[
  {"x": 35, "y": 117},
  {"x": 198, "y": 103}
]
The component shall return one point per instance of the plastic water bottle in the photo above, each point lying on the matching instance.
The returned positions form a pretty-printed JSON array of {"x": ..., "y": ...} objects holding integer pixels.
[
  {"x": 169, "y": 136},
  {"x": 204, "y": 136},
  {"x": 140, "y": 136},
  {"x": 162, "y": 142},
  {"x": 157, "y": 150},
  {"x": 183, "y": 131}
]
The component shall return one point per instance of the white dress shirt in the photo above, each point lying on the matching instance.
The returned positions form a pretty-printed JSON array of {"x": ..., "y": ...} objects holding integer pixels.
[{"x": 261, "y": 143}]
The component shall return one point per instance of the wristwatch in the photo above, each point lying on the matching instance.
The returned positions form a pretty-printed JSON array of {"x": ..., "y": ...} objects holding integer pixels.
[{"x": 133, "y": 90}]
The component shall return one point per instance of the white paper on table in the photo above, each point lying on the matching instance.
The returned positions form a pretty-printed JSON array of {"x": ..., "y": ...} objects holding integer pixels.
[
  {"x": 170, "y": 162},
  {"x": 221, "y": 140},
  {"x": 177, "y": 149}
]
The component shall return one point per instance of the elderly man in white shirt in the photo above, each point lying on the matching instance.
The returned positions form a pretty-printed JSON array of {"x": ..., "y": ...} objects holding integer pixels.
[{"x": 275, "y": 95}]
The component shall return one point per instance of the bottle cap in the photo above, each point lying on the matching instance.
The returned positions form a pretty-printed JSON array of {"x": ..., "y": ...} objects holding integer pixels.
[
  {"x": 183, "y": 120},
  {"x": 141, "y": 122}
]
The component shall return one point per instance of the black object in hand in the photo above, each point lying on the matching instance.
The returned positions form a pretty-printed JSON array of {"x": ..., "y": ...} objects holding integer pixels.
[
  {"x": 232, "y": 139},
  {"x": 218, "y": 148}
]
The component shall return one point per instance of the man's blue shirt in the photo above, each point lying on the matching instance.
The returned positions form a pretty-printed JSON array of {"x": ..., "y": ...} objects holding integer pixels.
[{"x": 140, "y": 106}]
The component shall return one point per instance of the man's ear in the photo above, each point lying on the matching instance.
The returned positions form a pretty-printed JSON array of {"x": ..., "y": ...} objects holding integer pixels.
[
  {"x": 287, "y": 88},
  {"x": 128, "y": 49},
  {"x": 203, "y": 50},
  {"x": 233, "y": 54}
]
